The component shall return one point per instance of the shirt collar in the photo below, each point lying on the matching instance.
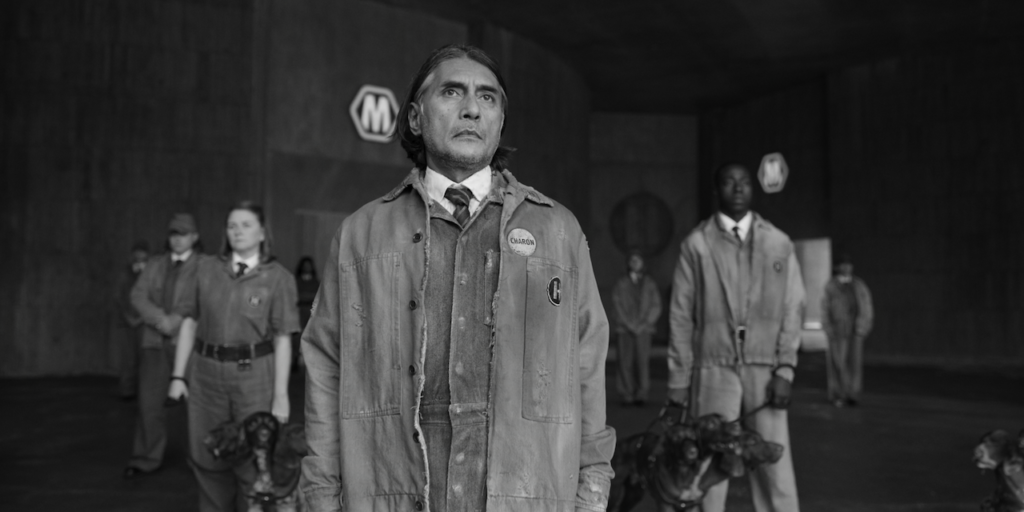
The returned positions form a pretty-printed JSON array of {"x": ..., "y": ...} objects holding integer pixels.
[
  {"x": 743, "y": 224},
  {"x": 181, "y": 257},
  {"x": 250, "y": 262},
  {"x": 479, "y": 184}
]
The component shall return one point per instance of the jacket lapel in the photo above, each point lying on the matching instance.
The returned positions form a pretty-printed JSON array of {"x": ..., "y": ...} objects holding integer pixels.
[
  {"x": 758, "y": 241},
  {"x": 716, "y": 244}
]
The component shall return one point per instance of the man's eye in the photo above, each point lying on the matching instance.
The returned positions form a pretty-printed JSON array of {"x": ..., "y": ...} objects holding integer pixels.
[
  {"x": 450, "y": 92},
  {"x": 488, "y": 98}
]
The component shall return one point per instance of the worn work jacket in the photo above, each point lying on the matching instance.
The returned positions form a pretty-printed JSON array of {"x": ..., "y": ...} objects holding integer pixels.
[
  {"x": 834, "y": 311},
  {"x": 147, "y": 295},
  {"x": 637, "y": 306},
  {"x": 703, "y": 303},
  {"x": 548, "y": 445}
]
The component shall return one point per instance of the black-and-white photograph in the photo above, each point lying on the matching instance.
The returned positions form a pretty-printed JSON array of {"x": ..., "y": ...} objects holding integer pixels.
[{"x": 552, "y": 256}]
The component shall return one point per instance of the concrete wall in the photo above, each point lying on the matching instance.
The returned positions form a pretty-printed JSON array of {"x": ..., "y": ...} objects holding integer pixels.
[
  {"x": 631, "y": 153},
  {"x": 115, "y": 115},
  {"x": 920, "y": 180},
  {"x": 926, "y": 153}
]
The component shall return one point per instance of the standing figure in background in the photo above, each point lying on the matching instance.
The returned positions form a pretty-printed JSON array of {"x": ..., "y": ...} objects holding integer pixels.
[
  {"x": 847, "y": 317},
  {"x": 157, "y": 295},
  {"x": 736, "y": 313},
  {"x": 637, "y": 307},
  {"x": 307, "y": 284},
  {"x": 130, "y": 321},
  {"x": 240, "y": 316}
]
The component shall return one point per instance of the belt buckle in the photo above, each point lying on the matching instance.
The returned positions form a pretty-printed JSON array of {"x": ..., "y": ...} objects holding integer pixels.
[{"x": 245, "y": 364}]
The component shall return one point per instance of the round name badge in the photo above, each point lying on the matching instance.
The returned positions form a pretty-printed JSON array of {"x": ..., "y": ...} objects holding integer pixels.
[{"x": 522, "y": 242}]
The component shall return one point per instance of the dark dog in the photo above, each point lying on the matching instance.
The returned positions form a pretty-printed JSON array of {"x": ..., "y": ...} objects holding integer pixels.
[
  {"x": 276, "y": 452},
  {"x": 678, "y": 461},
  {"x": 996, "y": 451}
]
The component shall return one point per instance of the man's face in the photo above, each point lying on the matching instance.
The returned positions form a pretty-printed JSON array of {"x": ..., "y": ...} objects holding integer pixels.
[
  {"x": 182, "y": 242},
  {"x": 845, "y": 269},
  {"x": 735, "y": 192},
  {"x": 636, "y": 263},
  {"x": 459, "y": 114},
  {"x": 139, "y": 256}
]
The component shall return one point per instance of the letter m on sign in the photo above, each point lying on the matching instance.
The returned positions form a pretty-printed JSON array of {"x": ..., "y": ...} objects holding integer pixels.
[{"x": 374, "y": 111}]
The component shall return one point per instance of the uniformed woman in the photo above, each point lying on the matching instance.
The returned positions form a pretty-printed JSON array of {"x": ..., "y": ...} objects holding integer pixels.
[{"x": 234, "y": 348}]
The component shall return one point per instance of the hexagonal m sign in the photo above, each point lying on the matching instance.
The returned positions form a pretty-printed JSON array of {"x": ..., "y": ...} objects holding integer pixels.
[{"x": 374, "y": 111}]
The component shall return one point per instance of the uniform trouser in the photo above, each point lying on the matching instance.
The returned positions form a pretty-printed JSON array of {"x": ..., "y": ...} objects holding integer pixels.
[
  {"x": 730, "y": 391},
  {"x": 128, "y": 374},
  {"x": 845, "y": 367},
  {"x": 633, "y": 352},
  {"x": 155, "y": 366},
  {"x": 220, "y": 392}
]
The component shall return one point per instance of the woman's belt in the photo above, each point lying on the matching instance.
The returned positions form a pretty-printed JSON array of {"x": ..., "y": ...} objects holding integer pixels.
[{"x": 244, "y": 354}]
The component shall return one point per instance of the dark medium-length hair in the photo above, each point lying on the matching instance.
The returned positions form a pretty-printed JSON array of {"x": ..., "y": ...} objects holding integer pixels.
[
  {"x": 257, "y": 210},
  {"x": 413, "y": 144},
  {"x": 305, "y": 260}
]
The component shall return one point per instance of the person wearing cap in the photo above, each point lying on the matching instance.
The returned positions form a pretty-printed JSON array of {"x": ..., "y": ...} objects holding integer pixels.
[
  {"x": 847, "y": 318},
  {"x": 735, "y": 317},
  {"x": 234, "y": 348},
  {"x": 157, "y": 296},
  {"x": 455, "y": 356}
]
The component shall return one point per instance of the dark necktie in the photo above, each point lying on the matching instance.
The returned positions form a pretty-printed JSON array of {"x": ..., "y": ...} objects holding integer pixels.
[
  {"x": 736, "y": 231},
  {"x": 241, "y": 269},
  {"x": 170, "y": 282},
  {"x": 459, "y": 196}
]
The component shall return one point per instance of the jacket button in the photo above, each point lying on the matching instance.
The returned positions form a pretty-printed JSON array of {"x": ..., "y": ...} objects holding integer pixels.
[
  {"x": 417, "y": 237},
  {"x": 419, "y": 505},
  {"x": 412, "y": 304},
  {"x": 412, "y": 370}
]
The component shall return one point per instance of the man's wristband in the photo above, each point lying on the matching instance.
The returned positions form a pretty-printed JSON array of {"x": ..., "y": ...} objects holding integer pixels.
[{"x": 183, "y": 379}]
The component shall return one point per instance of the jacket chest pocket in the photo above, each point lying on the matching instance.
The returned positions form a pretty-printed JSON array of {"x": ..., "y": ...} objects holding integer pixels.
[
  {"x": 369, "y": 357},
  {"x": 549, "y": 360},
  {"x": 775, "y": 276}
]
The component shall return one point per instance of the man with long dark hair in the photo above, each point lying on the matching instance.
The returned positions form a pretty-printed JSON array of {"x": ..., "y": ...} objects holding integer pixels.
[
  {"x": 456, "y": 352},
  {"x": 737, "y": 301}
]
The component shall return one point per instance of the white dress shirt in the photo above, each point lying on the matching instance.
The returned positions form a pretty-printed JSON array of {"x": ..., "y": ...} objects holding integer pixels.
[
  {"x": 479, "y": 185},
  {"x": 743, "y": 224},
  {"x": 250, "y": 262},
  {"x": 183, "y": 257}
]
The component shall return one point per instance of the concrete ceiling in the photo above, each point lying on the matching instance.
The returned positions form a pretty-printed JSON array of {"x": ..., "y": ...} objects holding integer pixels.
[{"x": 681, "y": 56}]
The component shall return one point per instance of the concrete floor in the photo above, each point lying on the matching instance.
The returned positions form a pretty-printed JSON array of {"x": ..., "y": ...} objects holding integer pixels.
[{"x": 64, "y": 442}]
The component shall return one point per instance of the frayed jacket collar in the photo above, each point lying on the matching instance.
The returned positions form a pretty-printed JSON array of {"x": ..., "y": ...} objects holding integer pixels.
[{"x": 517, "y": 190}]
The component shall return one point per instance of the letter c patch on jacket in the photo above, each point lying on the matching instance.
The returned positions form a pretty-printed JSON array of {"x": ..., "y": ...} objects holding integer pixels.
[{"x": 555, "y": 291}]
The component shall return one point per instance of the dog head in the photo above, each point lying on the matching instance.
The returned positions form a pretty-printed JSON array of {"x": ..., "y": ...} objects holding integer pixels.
[{"x": 992, "y": 450}]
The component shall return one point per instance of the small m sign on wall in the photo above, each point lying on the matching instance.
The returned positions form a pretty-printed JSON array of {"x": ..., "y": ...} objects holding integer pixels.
[{"x": 374, "y": 112}]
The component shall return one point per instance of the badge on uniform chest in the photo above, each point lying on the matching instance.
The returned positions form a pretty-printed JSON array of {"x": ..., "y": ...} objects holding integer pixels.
[
  {"x": 555, "y": 291},
  {"x": 522, "y": 242}
]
